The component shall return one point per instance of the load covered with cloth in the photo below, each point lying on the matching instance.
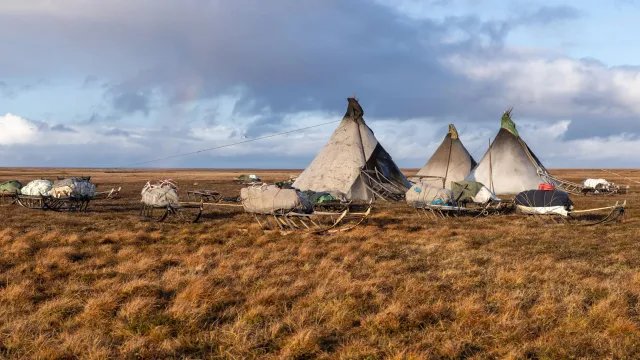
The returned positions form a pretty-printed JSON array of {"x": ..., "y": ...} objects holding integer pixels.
[
  {"x": 270, "y": 199},
  {"x": 248, "y": 179},
  {"x": 425, "y": 193},
  {"x": 10, "y": 187},
  {"x": 75, "y": 187},
  {"x": 543, "y": 202},
  {"x": 468, "y": 191},
  {"x": 318, "y": 197},
  {"x": 162, "y": 194},
  {"x": 596, "y": 184},
  {"x": 37, "y": 188}
]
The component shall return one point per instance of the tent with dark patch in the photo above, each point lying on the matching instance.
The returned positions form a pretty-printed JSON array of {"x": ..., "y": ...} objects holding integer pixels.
[
  {"x": 353, "y": 162},
  {"x": 450, "y": 162},
  {"x": 509, "y": 166}
]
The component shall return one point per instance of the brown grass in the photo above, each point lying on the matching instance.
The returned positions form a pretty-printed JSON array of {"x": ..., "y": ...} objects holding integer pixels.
[{"x": 107, "y": 285}]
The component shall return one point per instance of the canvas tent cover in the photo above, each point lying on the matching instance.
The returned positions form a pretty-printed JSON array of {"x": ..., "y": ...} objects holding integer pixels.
[
  {"x": 509, "y": 166},
  {"x": 450, "y": 162},
  {"x": 270, "y": 199},
  {"x": 37, "y": 188},
  {"x": 352, "y": 147},
  {"x": 10, "y": 187}
]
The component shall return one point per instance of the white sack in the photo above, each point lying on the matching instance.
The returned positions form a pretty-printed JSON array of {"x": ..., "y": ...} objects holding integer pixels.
[
  {"x": 37, "y": 188},
  {"x": 484, "y": 195},
  {"x": 162, "y": 194},
  {"x": 595, "y": 184},
  {"x": 548, "y": 210}
]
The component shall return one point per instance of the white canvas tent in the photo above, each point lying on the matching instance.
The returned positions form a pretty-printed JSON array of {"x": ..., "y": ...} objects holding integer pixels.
[
  {"x": 450, "y": 162},
  {"x": 509, "y": 166},
  {"x": 354, "y": 163}
]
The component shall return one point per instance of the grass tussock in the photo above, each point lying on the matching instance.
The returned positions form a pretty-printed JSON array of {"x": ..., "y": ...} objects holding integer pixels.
[{"x": 106, "y": 285}]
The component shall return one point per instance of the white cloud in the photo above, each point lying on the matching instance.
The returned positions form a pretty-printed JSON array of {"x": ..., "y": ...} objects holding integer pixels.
[
  {"x": 16, "y": 130},
  {"x": 560, "y": 87}
]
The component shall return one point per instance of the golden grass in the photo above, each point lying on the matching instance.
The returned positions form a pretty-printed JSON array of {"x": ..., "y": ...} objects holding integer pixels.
[{"x": 106, "y": 285}]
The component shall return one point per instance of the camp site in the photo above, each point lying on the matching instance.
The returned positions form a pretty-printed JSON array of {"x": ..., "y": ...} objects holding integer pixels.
[{"x": 361, "y": 179}]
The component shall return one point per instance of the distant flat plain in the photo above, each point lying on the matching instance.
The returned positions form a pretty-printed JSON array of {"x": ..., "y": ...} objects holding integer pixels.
[{"x": 105, "y": 284}]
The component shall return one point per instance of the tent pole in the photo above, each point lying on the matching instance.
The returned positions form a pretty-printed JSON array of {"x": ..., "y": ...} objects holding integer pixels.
[
  {"x": 490, "y": 169},
  {"x": 444, "y": 181},
  {"x": 364, "y": 156}
]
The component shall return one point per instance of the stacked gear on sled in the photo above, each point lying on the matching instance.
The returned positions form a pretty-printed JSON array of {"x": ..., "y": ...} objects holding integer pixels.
[
  {"x": 75, "y": 187},
  {"x": 10, "y": 187}
]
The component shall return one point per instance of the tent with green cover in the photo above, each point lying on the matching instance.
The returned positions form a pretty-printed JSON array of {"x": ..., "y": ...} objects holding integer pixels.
[{"x": 509, "y": 166}]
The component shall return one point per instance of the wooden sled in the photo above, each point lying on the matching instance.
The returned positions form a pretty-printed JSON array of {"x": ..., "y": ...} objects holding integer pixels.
[
  {"x": 7, "y": 199},
  {"x": 39, "y": 202},
  {"x": 316, "y": 222},
  {"x": 211, "y": 198},
  {"x": 381, "y": 187},
  {"x": 107, "y": 195},
  {"x": 437, "y": 212},
  {"x": 614, "y": 214},
  {"x": 579, "y": 189},
  {"x": 184, "y": 212}
]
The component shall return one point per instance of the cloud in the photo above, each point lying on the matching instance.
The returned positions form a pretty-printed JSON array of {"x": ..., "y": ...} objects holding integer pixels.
[
  {"x": 62, "y": 128},
  {"x": 196, "y": 74},
  {"x": 16, "y": 130},
  {"x": 131, "y": 102},
  {"x": 607, "y": 98}
]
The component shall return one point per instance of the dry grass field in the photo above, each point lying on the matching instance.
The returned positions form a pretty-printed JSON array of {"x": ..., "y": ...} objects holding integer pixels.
[{"x": 106, "y": 285}]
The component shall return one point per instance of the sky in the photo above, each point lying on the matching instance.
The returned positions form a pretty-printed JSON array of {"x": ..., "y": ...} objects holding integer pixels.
[{"x": 86, "y": 83}]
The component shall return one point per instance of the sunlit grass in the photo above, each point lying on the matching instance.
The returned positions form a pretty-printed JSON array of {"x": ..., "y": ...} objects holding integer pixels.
[{"x": 107, "y": 285}]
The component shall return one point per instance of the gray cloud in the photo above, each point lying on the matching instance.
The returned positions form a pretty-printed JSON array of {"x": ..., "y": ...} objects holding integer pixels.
[
  {"x": 62, "y": 128},
  {"x": 131, "y": 102},
  {"x": 288, "y": 56}
]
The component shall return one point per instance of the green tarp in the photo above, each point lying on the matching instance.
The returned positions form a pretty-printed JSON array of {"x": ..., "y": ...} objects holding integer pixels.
[
  {"x": 465, "y": 190},
  {"x": 11, "y": 186},
  {"x": 317, "y": 197},
  {"x": 508, "y": 124}
]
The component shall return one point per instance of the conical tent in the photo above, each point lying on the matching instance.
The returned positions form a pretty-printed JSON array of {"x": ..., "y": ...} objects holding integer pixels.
[
  {"x": 343, "y": 164},
  {"x": 450, "y": 162},
  {"x": 509, "y": 166}
]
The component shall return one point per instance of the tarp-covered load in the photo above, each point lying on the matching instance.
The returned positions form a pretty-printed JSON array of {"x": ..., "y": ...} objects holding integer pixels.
[
  {"x": 352, "y": 148},
  {"x": 162, "y": 194},
  {"x": 427, "y": 194},
  {"x": 509, "y": 166},
  {"x": 450, "y": 162},
  {"x": 471, "y": 191},
  {"x": 248, "y": 179},
  {"x": 10, "y": 187},
  {"x": 318, "y": 197},
  {"x": 75, "y": 187},
  {"x": 37, "y": 188},
  {"x": 270, "y": 199},
  {"x": 543, "y": 202},
  {"x": 597, "y": 184}
]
